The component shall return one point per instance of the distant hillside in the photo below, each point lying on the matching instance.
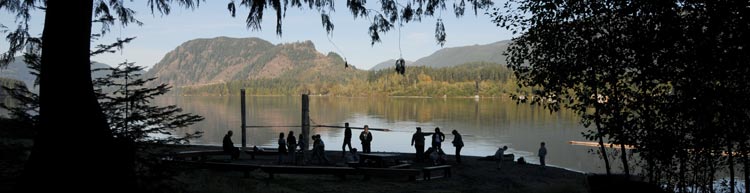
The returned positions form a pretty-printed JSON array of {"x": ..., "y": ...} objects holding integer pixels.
[
  {"x": 19, "y": 70},
  {"x": 454, "y": 56},
  {"x": 494, "y": 80},
  {"x": 389, "y": 64},
  {"x": 223, "y": 59},
  {"x": 5, "y": 97}
]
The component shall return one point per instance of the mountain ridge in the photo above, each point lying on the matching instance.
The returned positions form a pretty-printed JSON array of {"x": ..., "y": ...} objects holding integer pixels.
[
  {"x": 391, "y": 63},
  {"x": 224, "y": 59},
  {"x": 454, "y": 56}
]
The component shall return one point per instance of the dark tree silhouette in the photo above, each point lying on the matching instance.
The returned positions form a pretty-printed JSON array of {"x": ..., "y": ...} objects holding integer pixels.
[
  {"x": 668, "y": 77},
  {"x": 132, "y": 118},
  {"x": 383, "y": 19},
  {"x": 136, "y": 124},
  {"x": 65, "y": 65}
]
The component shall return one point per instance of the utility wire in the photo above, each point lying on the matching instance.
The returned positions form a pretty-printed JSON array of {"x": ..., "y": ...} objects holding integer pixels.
[
  {"x": 400, "y": 53},
  {"x": 335, "y": 46}
]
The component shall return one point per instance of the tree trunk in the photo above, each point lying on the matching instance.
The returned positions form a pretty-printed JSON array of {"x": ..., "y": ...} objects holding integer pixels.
[
  {"x": 745, "y": 164},
  {"x": 621, "y": 126},
  {"x": 623, "y": 152},
  {"x": 681, "y": 175},
  {"x": 73, "y": 151},
  {"x": 731, "y": 166},
  {"x": 624, "y": 158},
  {"x": 600, "y": 135},
  {"x": 604, "y": 153}
]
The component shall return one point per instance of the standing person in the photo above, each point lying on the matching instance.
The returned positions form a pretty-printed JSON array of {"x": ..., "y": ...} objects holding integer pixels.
[
  {"x": 499, "y": 156},
  {"x": 542, "y": 154},
  {"x": 282, "y": 147},
  {"x": 417, "y": 140},
  {"x": 321, "y": 150},
  {"x": 458, "y": 142},
  {"x": 438, "y": 138},
  {"x": 347, "y": 139},
  {"x": 291, "y": 143},
  {"x": 366, "y": 138},
  {"x": 302, "y": 145},
  {"x": 228, "y": 146},
  {"x": 314, "y": 148}
]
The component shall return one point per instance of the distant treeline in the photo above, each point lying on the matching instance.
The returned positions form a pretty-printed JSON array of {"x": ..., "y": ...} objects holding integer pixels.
[{"x": 490, "y": 79}]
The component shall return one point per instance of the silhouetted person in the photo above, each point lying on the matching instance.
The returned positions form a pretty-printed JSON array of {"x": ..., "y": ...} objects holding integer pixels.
[
  {"x": 301, "y": 144},
  {"x": 291, "y": 143},
  {"x": 282, "y": 147},
  {"x": 228, "y": 146},
  {"x": 314, "y": 151},
  {"x": 347, "y": 139},
  {"x": 417, "y": 140},
  {"x": 353, "y": 157},
  {"x": 436, "y": 155},
  {"x": 366, "y": 138},
  {"x": 319, "y": 150},
  {"x": 458, "y": 143},
  {"x": 499, "y": 156},
  {"x": 542, "y": 154},
  {"x": 438, "y": 138},
  {"x": 322, "y": 158}
]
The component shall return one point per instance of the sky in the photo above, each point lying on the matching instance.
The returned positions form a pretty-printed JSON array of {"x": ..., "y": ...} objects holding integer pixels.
[{"x": 162, "y": 33}]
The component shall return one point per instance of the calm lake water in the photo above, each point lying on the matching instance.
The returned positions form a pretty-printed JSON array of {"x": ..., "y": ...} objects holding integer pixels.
[{"x": 485, "y": 124}]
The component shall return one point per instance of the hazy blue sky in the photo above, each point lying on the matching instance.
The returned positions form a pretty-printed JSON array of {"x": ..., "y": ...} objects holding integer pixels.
[{"x": 162, "y": 33}]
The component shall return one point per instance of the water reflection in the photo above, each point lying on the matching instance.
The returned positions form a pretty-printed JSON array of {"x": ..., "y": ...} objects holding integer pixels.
[{"x": 485, "y": 123}]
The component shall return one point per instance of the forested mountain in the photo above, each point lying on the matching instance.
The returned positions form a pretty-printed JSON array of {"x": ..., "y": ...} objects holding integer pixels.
[
  {"x": 222, "y": 65},
  {"x": 223, "y": 59},
  {"x": 454, "y": 56},
  {"x": 482, "y": 78},
  {"x": 389, "y": 64}
]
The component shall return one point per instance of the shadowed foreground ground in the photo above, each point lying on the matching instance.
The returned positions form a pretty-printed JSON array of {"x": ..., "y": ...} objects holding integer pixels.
[{"x": 471, "y": 176}]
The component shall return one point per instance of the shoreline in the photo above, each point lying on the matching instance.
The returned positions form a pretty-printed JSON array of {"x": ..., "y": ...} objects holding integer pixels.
[
  {"x": 472, "y": 175},
  {"x": 344, "y": 96},
  {"x": 218, "y": 146}
]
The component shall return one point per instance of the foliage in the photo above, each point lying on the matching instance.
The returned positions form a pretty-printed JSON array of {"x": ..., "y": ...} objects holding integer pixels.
[
  {"x": 126, "y": 103},
  {"x": 382, "y": 20},
  {"x": 663, "y": 76},
  {"x": 460, "y": 81},
  {"x": 134, "y": 120},
  {"x": 68, "y": 39},
  {"x": 128, "y": 109}
]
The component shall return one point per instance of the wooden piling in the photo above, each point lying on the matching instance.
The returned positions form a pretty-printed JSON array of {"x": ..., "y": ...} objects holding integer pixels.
[
  {"x": 242, "y": 113},
  {"x": 305, "y": 121}
]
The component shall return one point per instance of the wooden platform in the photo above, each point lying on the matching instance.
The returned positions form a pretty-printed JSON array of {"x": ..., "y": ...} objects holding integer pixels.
[
  {"x": 242, "y": 167},
  {"x": 426, "y": 171},
  {"x": 283, "y": 169},
  {"x": 254, "y": 153},
  {"x": 195, "y": 155},
  {"x": 410, "y": 174}
]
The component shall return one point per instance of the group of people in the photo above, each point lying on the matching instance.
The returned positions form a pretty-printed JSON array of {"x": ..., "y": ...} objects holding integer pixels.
[
  {"x": 288, "y": 146},
  {"x": 542, "y": 153},
  {"x": 435, "y": 152},
  {"x": 365, "y": 138}
]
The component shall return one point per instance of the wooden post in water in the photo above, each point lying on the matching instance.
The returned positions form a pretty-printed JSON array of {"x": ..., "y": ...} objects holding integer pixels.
[
  {"x": 242, "y": 113},
  {"x": 305, "y": 121}
]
